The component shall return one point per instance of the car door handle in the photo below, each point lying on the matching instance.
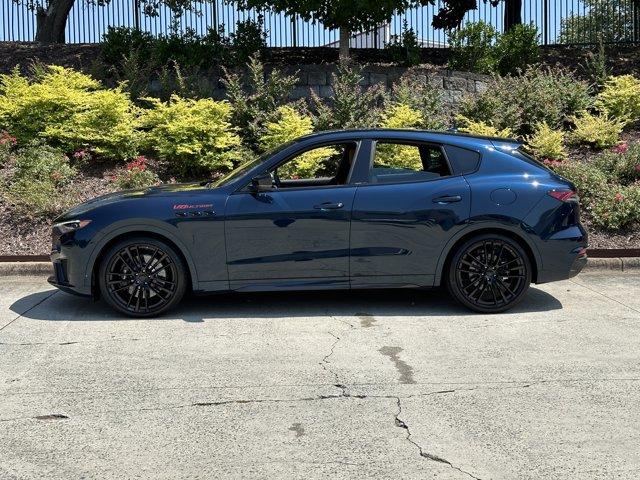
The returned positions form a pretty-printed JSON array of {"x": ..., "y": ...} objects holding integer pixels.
[
  {"x": 448, "y": 199},
  {"x": 329, "y": 206}
]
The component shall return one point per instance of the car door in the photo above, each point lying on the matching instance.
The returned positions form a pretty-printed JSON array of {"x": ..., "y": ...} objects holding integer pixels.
[
  {"x": 295, "y": 235},
  {"x": 403, "y": 215}
]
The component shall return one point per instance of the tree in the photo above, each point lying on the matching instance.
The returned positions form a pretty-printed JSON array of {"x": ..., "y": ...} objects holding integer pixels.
[
  {"x": 51, "y": 15},
  {"x": 604, "y": 21},
  {"x": 512, "y": 14},
  {"x": 347, "y": 16}
]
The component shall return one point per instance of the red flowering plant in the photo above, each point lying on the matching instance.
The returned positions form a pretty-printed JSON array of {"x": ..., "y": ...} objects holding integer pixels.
[{"x": 135, "y": 174}]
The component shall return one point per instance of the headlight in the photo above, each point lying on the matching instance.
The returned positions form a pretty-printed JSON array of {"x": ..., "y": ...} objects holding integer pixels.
[
  {"x": 70, "y": 226},
  {"x": 62, "y": 228}
]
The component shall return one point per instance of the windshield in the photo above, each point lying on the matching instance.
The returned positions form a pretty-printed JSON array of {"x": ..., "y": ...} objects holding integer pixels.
[{"x": 245, "y": 167}]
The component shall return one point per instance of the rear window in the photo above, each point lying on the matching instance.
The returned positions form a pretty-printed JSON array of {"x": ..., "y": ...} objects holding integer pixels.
[{"x": 525, "y": 157}]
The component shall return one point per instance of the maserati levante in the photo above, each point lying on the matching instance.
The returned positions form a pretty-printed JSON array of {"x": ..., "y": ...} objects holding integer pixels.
[{"x": 357, "y": 209}]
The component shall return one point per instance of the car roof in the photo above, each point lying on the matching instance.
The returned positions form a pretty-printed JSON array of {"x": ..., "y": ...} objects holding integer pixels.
[{"x": 449, "y": 137}]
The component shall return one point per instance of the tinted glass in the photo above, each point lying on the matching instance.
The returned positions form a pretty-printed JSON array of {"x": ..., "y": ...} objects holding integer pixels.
[
  {"x": 328, "y": 162},
  {"x": 462, "y": 160},
  {"x": 399, "y": 162}
]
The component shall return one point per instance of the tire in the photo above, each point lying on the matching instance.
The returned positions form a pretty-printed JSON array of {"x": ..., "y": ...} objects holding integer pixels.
[
  {"x": 489, "y": 273},
  {"x": 142, "y": 277}
]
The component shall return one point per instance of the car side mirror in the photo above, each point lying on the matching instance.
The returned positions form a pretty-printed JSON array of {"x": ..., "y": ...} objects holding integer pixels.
[{"x": 261, "y": 182}]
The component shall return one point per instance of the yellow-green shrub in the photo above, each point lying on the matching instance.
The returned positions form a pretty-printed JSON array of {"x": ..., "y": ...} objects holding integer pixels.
[
  {"x": 290, "y": 125},
  {"x": 396, "y": 155},
  {"x": 402, "y": 116},
  {"x": 620, "y": 97},
  {"x": 547, "y": 143},
  {"x": 191, "y": 133},
  {"x": 467, "y": 125},
  {"x": 68, "y": 109},
  {"x": 599, "y": 131}
]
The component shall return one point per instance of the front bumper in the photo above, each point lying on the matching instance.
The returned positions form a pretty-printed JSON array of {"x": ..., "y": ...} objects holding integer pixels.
[{"x": 68, "y": 274}]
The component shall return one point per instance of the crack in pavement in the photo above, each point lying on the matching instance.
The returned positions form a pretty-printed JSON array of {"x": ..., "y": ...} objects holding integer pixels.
[
  {"x": 29, "y": 309},
  {"x": 501, "y": 385},
  {"x": 402, "y": 424},
  {"x": 325, "y": 366}
]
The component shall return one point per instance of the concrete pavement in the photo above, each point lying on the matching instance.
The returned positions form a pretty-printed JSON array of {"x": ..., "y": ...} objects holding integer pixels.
[{"x": 392, "y": 384}]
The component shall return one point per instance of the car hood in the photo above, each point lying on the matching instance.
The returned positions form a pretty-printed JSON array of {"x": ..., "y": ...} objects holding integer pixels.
[{"x": 172, "y": 189}]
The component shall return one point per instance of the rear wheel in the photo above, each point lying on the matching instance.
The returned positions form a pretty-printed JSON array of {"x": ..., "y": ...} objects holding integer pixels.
[
  {"x": 490, "y": 273},
  {"x": 142, "y": 277}
]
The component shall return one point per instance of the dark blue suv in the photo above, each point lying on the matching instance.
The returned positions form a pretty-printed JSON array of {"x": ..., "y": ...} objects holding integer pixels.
[{"x": 334, "y": 210}]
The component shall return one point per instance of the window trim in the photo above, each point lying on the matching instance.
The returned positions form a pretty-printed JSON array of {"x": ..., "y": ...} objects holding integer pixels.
[
  {"x": 356, "y": 142},
  {"x": 417, "y": 143}
]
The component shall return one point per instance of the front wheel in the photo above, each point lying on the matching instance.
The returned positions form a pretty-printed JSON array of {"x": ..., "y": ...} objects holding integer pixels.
[
  {"x": 489, "y": 273},
  {"x": 142, "y": 277}
]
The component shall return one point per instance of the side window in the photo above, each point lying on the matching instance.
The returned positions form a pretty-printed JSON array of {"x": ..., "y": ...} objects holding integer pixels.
[
  {"x": 403, "y": 162},
  {"x": 325, "y": 165}
]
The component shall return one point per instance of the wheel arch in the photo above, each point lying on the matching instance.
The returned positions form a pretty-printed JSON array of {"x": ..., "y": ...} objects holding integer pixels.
[
  {"x": 463, "y": 236},
  {"x": 138, "y": 231}
]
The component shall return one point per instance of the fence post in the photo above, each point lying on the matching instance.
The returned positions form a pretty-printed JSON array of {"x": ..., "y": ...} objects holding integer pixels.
[
  {"x": 136, "y": 14},
  {"x": 214, "y": 15},
  {"x": 545, "y": 22}
]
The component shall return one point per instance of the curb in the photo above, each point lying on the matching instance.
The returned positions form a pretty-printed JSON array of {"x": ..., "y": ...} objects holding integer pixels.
[
  {"x": 594, "y": 265},
  {"x": 23, "y": 269}
]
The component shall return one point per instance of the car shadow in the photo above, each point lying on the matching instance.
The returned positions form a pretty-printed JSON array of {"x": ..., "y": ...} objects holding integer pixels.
[{"x": 361, "y": 303}]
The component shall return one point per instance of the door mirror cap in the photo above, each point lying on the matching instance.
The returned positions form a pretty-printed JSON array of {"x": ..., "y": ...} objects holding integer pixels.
[{"x": 261, "y": 182}]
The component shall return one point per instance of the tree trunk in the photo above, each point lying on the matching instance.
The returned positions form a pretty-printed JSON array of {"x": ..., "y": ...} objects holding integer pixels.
[
  {"x": 52, "y": 21},
  {"x": 512, "y": 14},
  {"x": 345, "y": 36}
]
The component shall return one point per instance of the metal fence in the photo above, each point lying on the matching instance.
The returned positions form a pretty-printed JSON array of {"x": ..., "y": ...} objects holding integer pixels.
[{"x": 560, "y": 21}]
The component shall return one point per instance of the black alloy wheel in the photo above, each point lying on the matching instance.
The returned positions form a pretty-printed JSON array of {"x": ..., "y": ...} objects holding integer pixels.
[
  {"x": 142, "y": 277},
  {"x": 489, "y": 273}
]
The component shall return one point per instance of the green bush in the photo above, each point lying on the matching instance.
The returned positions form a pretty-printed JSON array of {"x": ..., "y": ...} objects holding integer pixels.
[
  {"x": 248, "y": 40},
  {"x": 255, "y": 99},
  {"x": 472, "y": 48},
  {"x": 39, "y": 179},
  {"x": 120, "y": 42},
  {"x": 352, "y": 105},
  {"x": 547, "y": 143},
  {"x": 620, "y": 98},
  {"x": 191, "y": 134},
  {"x": 70, "y": 110},
  {"x": 520, "y": 102},
  {"x": 404, "y": 49},
  {"x": 191, "y": 51},
  {"x": 598, "y": 131},
  {"x": 517, "y": 49},
  {"x": 136, "y": 174},
  {"x": 415, "y": 92},
  {"x": 621, "y": 162},
  {"x": 617, "y": 208}
]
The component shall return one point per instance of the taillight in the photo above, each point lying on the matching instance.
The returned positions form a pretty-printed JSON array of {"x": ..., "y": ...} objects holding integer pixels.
[{"x": 562, "y": 195}]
